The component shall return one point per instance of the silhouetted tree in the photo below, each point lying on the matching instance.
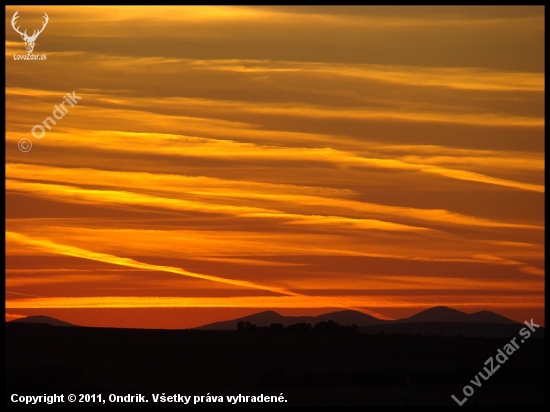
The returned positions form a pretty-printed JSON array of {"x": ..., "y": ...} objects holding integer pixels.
[
  {"x": 299, "y": 328},
  {"x": 276, "y": 327},
  {"x": 246, "y": 327},
  {"x": 334, "y": 328}
]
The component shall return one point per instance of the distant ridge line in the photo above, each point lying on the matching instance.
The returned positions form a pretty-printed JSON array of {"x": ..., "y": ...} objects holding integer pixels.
[
  {"x": 46, "y": 320},
  {"x": 438, "y": 314}
]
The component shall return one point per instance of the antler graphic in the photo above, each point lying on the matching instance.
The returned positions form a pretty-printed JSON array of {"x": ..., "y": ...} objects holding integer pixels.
[
  {"x": 29, "y": 40},
  {"x": 37, "y": 32},
  {"x": 15, "y": 17}
]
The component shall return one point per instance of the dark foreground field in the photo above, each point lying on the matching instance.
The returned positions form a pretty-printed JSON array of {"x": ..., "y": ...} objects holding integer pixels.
[{"x": 307, "y": 369}]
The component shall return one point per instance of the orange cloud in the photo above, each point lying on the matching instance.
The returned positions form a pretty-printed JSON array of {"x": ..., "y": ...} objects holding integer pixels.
[{"x": 67, "y": 250}]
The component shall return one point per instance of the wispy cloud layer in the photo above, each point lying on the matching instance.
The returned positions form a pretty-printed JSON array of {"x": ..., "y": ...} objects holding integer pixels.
[{"x": 377, "y": 158}]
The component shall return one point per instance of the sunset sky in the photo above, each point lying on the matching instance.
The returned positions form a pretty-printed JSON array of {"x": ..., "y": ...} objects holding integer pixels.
[{"x": 228, "y": 160}]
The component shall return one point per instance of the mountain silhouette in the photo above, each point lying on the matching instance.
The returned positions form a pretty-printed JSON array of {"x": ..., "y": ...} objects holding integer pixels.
[
  {"x": 349, "y": 317},
  {"x": 345, "y": 317},
  {"x": 445, "y": 314},
  {"x": 486, "y": 316},
  {"x": 438, "y": 314},
  {"x": 42, "y": 319}
]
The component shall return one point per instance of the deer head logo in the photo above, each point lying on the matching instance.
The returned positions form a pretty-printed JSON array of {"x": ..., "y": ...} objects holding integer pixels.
[{"x": 29, "y": 40}]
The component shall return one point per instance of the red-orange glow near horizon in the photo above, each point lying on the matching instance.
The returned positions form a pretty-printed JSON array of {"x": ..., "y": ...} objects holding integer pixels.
[{"x": 333, "y": 160}]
